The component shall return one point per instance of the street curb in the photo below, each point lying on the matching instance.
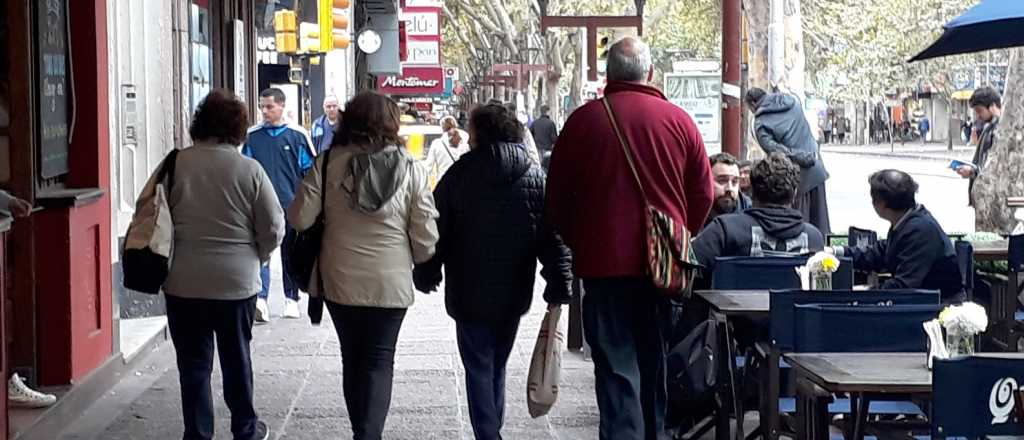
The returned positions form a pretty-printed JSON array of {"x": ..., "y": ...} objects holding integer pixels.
[{"x": 918, "y": 156}]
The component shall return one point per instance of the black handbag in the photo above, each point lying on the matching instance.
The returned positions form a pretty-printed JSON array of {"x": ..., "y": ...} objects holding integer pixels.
[
  {"x": 143, "y": 269},
  {"x": 304, "y": 249}
]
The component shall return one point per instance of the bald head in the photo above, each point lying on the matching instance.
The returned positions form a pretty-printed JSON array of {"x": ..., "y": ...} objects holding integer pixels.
[
  {"x": 629, "y": 59},
  {"x": 331, "y": 108}
]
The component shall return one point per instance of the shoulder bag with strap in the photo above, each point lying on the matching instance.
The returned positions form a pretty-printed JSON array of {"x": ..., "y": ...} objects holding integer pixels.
[
  {"x": 304, "y": 249},
  {"x": 671, "y": 263},
  {"x": 149, "y": 241}
]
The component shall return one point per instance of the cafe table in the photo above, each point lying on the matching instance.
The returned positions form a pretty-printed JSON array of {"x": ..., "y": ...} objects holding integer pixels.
[{"x": 820, "y": 375}]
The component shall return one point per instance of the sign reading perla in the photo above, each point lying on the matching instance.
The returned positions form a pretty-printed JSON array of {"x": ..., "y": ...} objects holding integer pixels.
[{"x": 414, "y": 81}]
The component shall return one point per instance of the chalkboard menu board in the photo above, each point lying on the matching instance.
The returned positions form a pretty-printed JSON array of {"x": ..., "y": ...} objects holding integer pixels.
[{"x": 52, "y": 92}]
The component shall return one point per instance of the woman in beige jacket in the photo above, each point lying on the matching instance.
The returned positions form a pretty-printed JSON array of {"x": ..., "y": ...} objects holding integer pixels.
[{"x": 379, "y": 220}]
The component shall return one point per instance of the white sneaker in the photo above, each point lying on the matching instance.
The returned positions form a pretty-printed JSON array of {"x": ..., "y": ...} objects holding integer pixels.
[
  {"x": 20, "y": 395},
  {"x": 262, "y": 311},
  {"x": 291, "y": 309}
]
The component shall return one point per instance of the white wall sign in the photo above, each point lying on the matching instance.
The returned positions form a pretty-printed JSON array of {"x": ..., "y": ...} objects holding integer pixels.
[
  {"x": 421, "y": 24},
  {"x": 241, "y": 66},
  {"x": 423, "y": 53}
]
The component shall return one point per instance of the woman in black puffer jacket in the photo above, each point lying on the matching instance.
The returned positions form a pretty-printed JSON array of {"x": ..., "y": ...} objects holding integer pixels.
[{"x": 492, "y": 233}]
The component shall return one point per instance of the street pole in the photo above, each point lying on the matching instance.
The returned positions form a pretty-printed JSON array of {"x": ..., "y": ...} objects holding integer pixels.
[{"x": 732, "y": 36}]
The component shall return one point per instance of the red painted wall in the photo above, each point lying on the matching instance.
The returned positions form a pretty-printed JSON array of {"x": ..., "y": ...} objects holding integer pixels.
[{"x": 73, "y": 288}]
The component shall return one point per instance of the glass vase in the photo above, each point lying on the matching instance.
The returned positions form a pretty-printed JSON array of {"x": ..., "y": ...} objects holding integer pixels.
[
  {"x": 959, "y": 343},
  {"x": 821, "y": 281}
]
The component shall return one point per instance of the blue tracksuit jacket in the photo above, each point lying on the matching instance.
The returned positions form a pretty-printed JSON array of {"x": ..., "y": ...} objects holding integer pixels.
[{"x": 285, "y": 152}]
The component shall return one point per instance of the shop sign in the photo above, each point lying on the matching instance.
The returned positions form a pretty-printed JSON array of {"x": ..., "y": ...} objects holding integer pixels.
[
  {"x": 414, "y": 81},
  {"x": 423, "y": 53}
]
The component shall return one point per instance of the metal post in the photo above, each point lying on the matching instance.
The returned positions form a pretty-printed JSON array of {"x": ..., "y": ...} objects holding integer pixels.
[{"x": 732, "y": 15}]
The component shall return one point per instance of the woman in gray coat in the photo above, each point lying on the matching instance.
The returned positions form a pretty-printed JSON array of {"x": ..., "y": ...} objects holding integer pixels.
[{"x": 227, "y": 221}]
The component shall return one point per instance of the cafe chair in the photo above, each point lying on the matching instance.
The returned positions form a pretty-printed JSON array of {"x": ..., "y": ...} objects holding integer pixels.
[
  {"x": 759, "y": 273},
  {"x": 978, "y": 397},
  {"x": 782, "y": 305}
]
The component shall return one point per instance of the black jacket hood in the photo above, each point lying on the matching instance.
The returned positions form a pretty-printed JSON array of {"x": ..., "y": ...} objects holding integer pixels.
[
  {"x": 501, "y": 163},
  {"x": 778, "y": 221}
]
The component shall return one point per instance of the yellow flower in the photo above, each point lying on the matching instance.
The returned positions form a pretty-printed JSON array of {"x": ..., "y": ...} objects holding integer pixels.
[
  {"x": 830, "y": 264},
  {"x": 944, "y": 314}
]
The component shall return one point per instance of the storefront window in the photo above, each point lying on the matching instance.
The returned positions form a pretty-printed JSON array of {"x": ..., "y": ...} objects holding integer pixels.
[{"x": 202, "y": 54}]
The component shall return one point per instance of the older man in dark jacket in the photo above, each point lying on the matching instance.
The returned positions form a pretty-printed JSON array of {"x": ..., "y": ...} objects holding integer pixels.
[
  {"x": 491, "y": 204},
  {"x": 594, "y": 202},
  {"x": 781, "y": 127}
]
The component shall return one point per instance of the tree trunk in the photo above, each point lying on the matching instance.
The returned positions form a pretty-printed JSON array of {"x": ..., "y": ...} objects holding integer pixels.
[
  {"x": 793, "y": 78},
  {"x": 1002, "y": 175}
]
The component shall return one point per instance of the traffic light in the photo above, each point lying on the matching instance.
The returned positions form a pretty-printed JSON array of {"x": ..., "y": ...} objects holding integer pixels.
[
  {"x": 284, "y": 31},
  {"x": 333, "y": 23}
]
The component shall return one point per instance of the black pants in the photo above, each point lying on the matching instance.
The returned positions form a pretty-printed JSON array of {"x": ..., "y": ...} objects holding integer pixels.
[
  {"x": 194, "y": 323},
  {"x": 368, "y": 336},
  {"x": 622, "y": 321},
  {"x": 485, "y": 348},
  {"x": 813, "y": 205}
]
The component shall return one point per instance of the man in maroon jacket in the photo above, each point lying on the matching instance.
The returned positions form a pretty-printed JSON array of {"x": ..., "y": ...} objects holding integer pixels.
[{"x": 594, "y": 203}]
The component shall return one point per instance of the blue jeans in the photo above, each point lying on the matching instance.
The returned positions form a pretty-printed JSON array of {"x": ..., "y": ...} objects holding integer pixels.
[
  {"x": 485, "y": 348},
  {"x": 194, "y": 325},
  {"x": 290, "y": 290},
  {"x": 623, "y": 323}
]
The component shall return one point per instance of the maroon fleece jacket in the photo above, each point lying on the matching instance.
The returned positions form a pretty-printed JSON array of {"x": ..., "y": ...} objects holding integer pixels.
[{"x": 592, "y": 197}]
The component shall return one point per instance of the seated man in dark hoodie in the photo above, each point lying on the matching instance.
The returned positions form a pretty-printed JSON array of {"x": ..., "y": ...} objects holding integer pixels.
[
  {"x": 771, "y": 227},
  {"x": 725, "y": 175},
  {"x": 917, "y": 252}
]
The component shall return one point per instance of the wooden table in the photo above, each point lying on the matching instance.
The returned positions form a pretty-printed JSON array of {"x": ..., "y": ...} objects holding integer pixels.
[
  {"x": 992, "y": 251},
  {"x": 859, "y": 374},
  {"x": 726, "y": 305},
  {"x": 736, "y": 302}
]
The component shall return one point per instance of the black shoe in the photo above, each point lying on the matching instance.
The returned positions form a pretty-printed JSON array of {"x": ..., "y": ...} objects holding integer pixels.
[{"x": 262, "y": 431}]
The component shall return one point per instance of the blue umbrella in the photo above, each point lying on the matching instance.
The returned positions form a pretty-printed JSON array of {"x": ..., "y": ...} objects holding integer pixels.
[{"x": 992, "y": 24}]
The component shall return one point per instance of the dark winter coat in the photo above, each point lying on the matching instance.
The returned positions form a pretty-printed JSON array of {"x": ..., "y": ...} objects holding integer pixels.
[
  {"x": 918, "y": 254},
  {"x": 762, "y": 231},
  {"x": 781, "y": 127},
  {"x": 593, "y": 199},
  {"x": 985, "y": 142},
  {"x": 491, "y": 204},
  {"x": 545, "y": 134}
]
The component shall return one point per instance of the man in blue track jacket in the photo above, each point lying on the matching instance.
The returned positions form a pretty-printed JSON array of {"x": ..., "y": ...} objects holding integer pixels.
[{"x": 286, "y": 153}]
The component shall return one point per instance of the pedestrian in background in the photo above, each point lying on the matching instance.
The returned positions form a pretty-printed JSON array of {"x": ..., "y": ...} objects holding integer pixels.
[
  {"x": 227, "y": 221},
  {"x": 781, "y": 127},
  {"x": 445, "y": 150},
  {"x": 379, "y": 220},
  {"x": 491, "y": 206},
  {"x": 595, "y": 204},
  {"x": 988, "y": 107},
  {"x": 840, "y": 130},
  {"x": 285, "y": 151},
  {"x": 325, "y": 126},
  {"x": 923, "y": 127},
  {"x": 545, "y": 133}
]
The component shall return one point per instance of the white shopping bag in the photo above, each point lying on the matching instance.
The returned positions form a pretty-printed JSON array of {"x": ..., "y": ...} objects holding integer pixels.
[{"x": 545, "y": 364}]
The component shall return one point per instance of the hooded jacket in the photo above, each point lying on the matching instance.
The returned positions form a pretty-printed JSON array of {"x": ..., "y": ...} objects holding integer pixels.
[
  {"x": 781, "y": 127},
  {"x": 491, "y": 204},
  {"x": 380, "y": 220},
  {"x": 761, "y": 231}
]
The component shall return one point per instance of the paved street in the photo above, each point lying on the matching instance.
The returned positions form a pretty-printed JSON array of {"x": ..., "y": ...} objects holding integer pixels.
[
  {"x": 942, "y": 191},
  {"x": 298, "y": 382}
]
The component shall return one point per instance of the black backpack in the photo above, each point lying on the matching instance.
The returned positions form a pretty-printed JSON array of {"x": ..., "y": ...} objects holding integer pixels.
[{"x": 693, "y": 369}]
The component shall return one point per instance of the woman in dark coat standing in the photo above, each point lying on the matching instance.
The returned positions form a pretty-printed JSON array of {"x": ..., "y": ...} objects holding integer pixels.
[
  {"x": 781, "y": 127},
  {"x": 491, "y": 203}
]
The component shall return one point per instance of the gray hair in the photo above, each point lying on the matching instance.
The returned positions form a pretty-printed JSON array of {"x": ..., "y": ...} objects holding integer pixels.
[{"x": 629, "y": 59}]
